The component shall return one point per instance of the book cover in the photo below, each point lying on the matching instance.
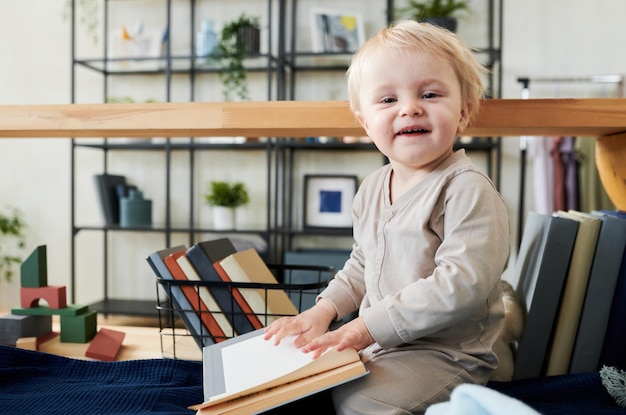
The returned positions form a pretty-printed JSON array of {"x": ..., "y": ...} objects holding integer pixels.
[
  {"x": 206, "y": 296},
  {"x": 217, "y": 249},
  {"x": 178, "y": 299},
  {"x": 574, "y": 292},
  {"x": 243, "y": 300},
  {"x": 220, "y": 291},
  {"x": 196, "y": 299},
  {"x": 248, "y": 266},
  {"x": 106, "y": 185},
  {"x": 615, "y": 338},
  {"x": 545, "y": 253},
  {"x": 248, "y": 374},
  {"x": 603, "y": 276}
]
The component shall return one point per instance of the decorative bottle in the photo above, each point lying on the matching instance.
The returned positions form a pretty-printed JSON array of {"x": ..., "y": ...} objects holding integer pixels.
[
  {"x": 135, "y": 210},
  {"x": 206, "y": 40}
]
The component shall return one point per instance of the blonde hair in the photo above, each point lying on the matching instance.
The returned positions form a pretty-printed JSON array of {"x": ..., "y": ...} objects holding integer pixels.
[{"x": 409, "y": 36}]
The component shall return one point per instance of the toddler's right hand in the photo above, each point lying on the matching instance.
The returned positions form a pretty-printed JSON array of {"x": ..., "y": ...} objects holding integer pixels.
[{"x": 309, "y": 324}]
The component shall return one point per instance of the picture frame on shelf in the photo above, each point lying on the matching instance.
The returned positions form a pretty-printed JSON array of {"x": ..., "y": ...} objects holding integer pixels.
[
  {"x": 328, "y": 201},
  {"x": 336, "y": 32}
]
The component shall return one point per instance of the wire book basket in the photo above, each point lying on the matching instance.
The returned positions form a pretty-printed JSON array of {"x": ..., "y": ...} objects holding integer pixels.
[{"x": 181, "y": 319}]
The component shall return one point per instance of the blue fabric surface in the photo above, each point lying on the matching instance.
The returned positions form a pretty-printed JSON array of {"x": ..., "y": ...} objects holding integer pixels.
[
  {"x": 576, "y": 394},
  {"x": 33, "y": 382}
]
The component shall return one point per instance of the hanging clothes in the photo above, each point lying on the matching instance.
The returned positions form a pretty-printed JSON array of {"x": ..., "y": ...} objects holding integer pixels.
[
  {"x": 565, "y": 167},
  {"x": 570, "y": 177},
  {"x": 592, "y": 193},
  {"x": 543, "y": 174},
  {"x": 558, "y": 169}
]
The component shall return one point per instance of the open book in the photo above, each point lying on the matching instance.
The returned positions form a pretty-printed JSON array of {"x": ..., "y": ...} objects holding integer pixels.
[{"x": 247, "y": 374}]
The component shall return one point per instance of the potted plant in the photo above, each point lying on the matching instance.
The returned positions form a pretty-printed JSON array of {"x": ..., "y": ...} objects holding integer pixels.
[
  {"x": 225, "y": 198},
  {"x": 438, "y": 12},
  {"x": 88, "y": 13},
  {"x": 11, "y": 237},
  {"x": 239, "y": 38}
]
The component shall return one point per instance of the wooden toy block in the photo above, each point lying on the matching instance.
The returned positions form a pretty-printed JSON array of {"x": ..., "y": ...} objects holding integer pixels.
[
  {"x": 27, "y": 343},
  {"x": 41, "y": 310},
  {"x": 54, "y": 295},
  {"x": 47, "y": 337},
  {"x": 105, "y": 345},
  {"x": 80, "y": 328},
  {"x": 34, "y": 270},
  {"x": 13, "y": 327}
]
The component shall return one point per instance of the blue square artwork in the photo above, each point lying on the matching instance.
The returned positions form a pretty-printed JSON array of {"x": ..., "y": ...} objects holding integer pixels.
[{"x": 330, "y": 201}]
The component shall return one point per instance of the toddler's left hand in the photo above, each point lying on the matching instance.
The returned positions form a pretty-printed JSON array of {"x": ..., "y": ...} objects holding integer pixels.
[{"x": 352, "y": 334}]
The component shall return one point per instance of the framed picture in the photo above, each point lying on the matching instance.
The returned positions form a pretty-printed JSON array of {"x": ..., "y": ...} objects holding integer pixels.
[
  {"x": 337, "y": 32},
  {"x": 328, "y": 201}
]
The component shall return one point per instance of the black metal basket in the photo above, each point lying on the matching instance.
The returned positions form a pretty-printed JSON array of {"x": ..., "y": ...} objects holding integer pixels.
[{"x": 180, "y": 326}]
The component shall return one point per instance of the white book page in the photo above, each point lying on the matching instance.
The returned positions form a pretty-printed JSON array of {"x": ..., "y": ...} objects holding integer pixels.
[{"x": 257, "y": 361}]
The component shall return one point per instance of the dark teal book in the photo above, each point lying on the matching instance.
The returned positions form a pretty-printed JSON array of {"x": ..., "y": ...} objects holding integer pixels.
[
  {"x": 217, "y": 249},
  {"x": 594, "y": 319},
  {"x": 180, "y": 303},
  {"x": 106, "y": 185},
  {"x": 615, "y": 338},
  {"x": 541, "y": 270},
  {"x": 220, "y": 290}
]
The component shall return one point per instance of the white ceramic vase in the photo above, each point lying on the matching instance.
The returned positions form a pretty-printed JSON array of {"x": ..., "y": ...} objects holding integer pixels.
[{"x": 223, "y": 218}]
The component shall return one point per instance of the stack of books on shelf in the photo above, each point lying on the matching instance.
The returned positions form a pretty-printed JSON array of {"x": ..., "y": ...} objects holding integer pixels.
[
  {"x": 222, "y": 292},
  {"x": 571, "y": 273}
]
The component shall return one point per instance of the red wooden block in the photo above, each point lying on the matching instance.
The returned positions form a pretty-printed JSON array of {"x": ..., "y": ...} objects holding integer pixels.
[
  {"x": 105, "y": 345},
  {"x": 46, "y": 337},
  {"x": 55, "y": 296}
]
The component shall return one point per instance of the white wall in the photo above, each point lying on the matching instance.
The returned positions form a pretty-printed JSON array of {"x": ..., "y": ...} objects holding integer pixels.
[{"x": 541, "y": 39}]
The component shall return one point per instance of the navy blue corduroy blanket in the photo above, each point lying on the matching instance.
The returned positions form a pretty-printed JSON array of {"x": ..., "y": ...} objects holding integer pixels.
[
  {"x": 33, "y": 382},
  {"x": 575, "y": 394}
]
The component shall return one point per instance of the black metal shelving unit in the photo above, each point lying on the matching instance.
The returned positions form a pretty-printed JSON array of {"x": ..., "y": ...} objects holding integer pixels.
[
  {"x": 165, "y": 66},
  {"x": 296, "y": 61},
  {"x": 282, "y": 63}
]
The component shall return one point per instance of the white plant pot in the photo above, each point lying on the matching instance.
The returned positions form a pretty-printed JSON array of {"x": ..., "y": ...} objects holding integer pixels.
[{"x": 223, "y": 218}]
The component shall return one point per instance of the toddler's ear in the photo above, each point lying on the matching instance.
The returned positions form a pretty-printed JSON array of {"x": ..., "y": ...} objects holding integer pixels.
[
  {"x": 464, "y": 118},
  {"x": 361, "y": 119}
]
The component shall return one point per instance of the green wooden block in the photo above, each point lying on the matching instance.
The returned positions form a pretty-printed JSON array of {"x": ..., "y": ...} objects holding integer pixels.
[
  {"x": 80, "y": 328},
  {"x": 34, "y": 270},
  {"x": 42, "y": 310}
]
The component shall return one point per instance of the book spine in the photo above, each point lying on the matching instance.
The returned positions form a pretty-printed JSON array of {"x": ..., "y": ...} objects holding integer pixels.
[
  {"x": 596, "y": 310},
  {"x": 239, "y": 298},
  {"x": 199, "y": 306},
  {"x": 615, "y": 338},
  {"x": 573, "y": 295},
  {"x": 179, "y": 302},
  {"x": 107, "y": 192},
  {"x": 554, "y": 257},
  {"x": 222, "y": 294}
]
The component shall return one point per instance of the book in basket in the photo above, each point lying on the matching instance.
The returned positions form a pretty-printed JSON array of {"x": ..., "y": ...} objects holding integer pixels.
[{"x": 248, "y": 374}]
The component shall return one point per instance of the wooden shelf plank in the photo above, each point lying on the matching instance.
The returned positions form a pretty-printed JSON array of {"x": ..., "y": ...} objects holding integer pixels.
[{"x": 498, "y": 117}]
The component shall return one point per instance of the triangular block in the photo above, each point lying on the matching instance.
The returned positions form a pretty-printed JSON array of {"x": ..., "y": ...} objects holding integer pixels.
[
  {"x": 34, "y": 270},
  {"x": 105, "y": 345}
]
